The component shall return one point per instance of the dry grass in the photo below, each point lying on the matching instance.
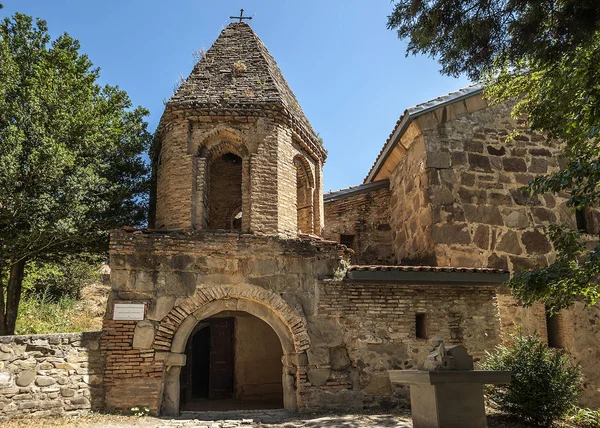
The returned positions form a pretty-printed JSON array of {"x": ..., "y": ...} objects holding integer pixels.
[
  {"x": 67, "y": 315},
  {"x": 86, "y": 420}
]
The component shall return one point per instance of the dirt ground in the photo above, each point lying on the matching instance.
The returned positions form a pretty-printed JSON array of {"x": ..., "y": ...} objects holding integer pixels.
[{"x": 235, "y": 419}]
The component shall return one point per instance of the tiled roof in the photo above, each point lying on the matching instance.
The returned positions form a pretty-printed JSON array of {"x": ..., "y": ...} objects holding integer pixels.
[
  {"x": 416, "y": 111},
  {"x": 353, "y": 190},
  {"x": 238, "y": 76},
  {"x": 381, "y": 268}
]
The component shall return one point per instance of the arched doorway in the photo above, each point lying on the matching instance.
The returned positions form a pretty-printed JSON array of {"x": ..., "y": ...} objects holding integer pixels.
[
  {"x": 177, "y": 327},
  {"x": 233, "y": 362}
]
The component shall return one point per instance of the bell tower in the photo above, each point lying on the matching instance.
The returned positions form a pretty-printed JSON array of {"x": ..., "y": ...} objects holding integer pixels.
[{"x": 234, "y": 150}]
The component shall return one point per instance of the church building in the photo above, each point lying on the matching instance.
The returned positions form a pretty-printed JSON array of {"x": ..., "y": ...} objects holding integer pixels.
[{"x": 256, "y": 290}]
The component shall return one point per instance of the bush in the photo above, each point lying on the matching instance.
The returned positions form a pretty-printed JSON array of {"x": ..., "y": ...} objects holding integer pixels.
[
  {"x": 66, "y": 278},
  {"x": 545, "y": 385}
]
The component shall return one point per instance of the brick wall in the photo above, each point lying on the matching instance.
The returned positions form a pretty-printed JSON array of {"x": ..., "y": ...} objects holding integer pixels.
[
  {"x": 186, "y": 194},
  {"x": 363, "y": 330},
  {"x": 50, "y": 374},
  {"x": 174, "y": 179},
  {"x": 366, "y": 216},
  {"x": 132, "y": 377},
  {"x": 344, "y": 335}
]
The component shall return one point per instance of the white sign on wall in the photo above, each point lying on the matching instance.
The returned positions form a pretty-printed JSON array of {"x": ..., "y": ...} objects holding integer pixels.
[{"x": 128, "y": 311}]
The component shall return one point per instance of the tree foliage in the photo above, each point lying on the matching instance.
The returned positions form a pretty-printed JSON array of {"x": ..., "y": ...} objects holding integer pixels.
[
  {"x": 544, "y": 56},
  {"x": 71, "y": 165},
  {"x": 544, "y": 386}
]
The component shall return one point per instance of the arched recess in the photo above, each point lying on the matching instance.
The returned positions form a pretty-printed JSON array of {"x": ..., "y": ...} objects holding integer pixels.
[
  {"x": 221, "y": 182},
  {"x": 175, "y": 329},
  {"x": 305, "y": 188}
]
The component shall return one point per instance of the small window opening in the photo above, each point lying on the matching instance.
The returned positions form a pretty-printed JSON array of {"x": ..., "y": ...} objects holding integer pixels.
[
  {"x": 347, "y": 240},
  {"x": 553, "y": 327},
  {"x": 421, "y": 327},
  {"x": 581, "y": 220}
]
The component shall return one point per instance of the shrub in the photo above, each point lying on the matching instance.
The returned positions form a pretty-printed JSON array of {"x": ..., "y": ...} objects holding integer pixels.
[
  {"x": 545, "y": 385},
  {"x": 65, "y": 278}
]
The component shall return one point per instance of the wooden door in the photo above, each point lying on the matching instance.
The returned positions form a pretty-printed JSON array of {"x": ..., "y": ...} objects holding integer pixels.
[{"x": 221, "y": 359}]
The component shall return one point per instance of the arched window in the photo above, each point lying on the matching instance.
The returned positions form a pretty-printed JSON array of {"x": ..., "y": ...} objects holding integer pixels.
[
  {"x": 304, "y": 195},
  {"x": 225, "y": 192}
]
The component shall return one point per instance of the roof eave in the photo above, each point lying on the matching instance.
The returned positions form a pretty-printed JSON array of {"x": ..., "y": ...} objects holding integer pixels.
[{"x": 407, "y": 117}]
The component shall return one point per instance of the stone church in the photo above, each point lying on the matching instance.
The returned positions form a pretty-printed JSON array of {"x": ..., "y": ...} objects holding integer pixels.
[{"x": 258, "y": 291}]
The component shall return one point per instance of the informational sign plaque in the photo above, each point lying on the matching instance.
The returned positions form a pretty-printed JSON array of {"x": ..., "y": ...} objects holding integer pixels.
[{"x": 128, "y": 311}]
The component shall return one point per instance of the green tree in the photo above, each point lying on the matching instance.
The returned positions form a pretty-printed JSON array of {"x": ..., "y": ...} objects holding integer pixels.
[
  {"x": 544, "y": 56},
  {"x": 71, "y": 165}
]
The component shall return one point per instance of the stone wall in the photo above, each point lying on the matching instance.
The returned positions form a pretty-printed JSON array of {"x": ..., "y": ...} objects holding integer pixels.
[
  {"x": 337, "y": 337},
  {"x": 577, "y": 330},
  {"x": 480, "y": 216},
  {"x": 176, "y": 275},
  {"x": 366, "y": 216},
  {"x": 51, "y": 374},
  {"x": 410, "y": 206},
  {"x": 363, "y": 330}
]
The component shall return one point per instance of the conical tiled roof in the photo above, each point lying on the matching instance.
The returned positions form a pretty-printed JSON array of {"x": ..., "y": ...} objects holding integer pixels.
[{"x": 238, "y": 76}]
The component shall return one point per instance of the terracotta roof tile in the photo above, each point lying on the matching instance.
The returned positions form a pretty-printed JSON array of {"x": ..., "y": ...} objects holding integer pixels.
[{"x": 381, "y": 268}]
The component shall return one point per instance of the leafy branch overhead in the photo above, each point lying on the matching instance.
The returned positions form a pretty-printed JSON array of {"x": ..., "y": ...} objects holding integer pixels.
[{"x": 544, "y": 57}]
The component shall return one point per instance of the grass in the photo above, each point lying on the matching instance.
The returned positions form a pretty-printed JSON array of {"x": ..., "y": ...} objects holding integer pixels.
[{"x": 40, "y": 315}]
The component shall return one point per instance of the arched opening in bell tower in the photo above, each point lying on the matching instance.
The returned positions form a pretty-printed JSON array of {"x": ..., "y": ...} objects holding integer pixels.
[
  {"x": 304, "y": 195},
  {"x": 225, "y": 192}
]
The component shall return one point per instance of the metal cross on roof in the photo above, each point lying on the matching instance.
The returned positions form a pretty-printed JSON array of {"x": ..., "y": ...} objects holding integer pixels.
[{"x": 241, "y": 17}]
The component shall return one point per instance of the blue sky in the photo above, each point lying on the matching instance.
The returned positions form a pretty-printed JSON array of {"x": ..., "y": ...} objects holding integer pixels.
[{"x": 348, "y": 71}]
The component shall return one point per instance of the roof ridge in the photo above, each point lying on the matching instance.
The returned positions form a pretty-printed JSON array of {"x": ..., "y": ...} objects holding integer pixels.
[{"x": 359, "y": 188}]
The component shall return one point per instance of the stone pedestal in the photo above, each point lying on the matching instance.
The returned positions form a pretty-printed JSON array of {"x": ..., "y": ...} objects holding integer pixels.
[{"x": 448, "y": 399}]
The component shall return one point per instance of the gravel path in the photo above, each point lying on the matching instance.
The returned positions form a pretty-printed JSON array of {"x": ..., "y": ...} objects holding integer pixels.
[{"x": 236, "y": 419}]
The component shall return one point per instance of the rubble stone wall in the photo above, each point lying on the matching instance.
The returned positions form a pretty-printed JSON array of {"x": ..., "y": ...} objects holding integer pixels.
[
  {"x": 363, "y": 330},
  {"x": 50, "y": 374},
  {"x": 366, "y": 216},
  {"x": 480, "y": 216}
]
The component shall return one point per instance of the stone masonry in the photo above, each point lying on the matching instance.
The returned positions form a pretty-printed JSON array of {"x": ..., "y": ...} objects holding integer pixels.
[
  {"x": 455, "y": 200},
  {"x": 235, "y": 152},
  {"x": 236, "y": 101},
  {"x": 339, "y": 335},
  {"x": 52, "y": 374},
  {"x": 243, "y": 252}
]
